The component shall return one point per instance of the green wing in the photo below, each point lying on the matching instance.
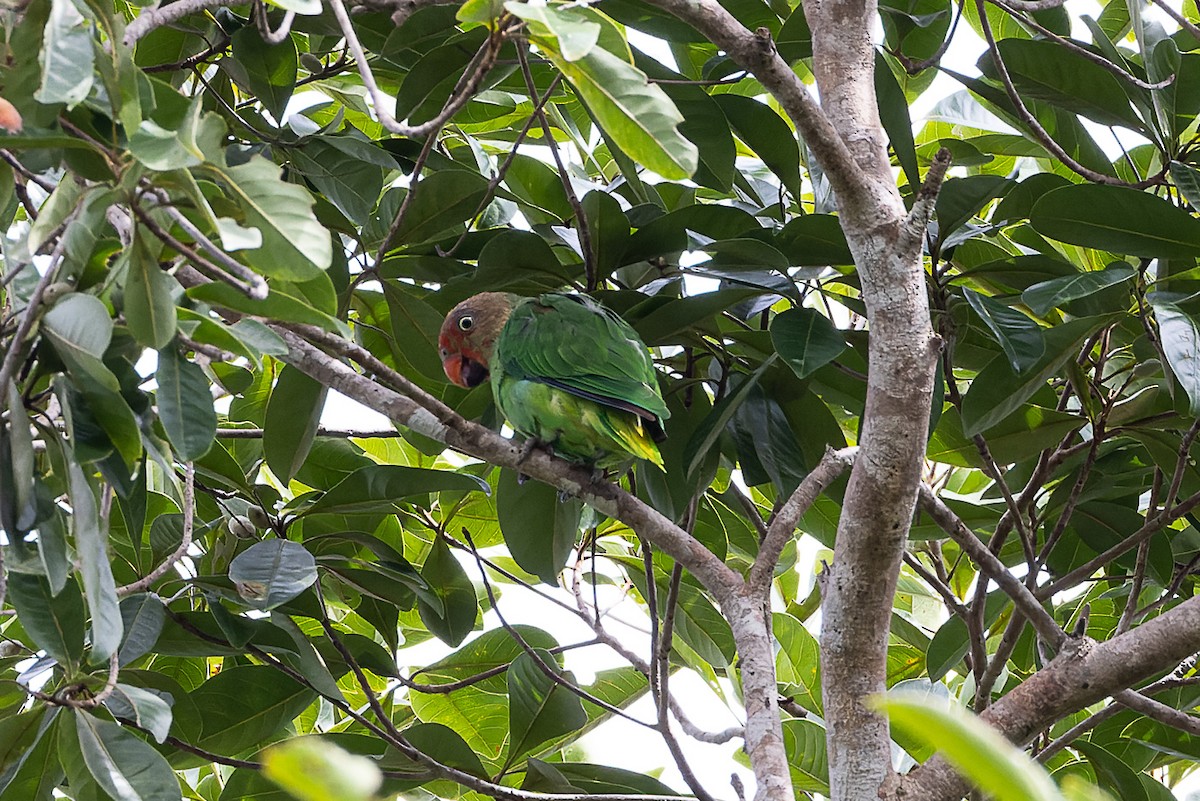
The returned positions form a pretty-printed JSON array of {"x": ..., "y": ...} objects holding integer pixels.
[{"x": 574, "y": 343}]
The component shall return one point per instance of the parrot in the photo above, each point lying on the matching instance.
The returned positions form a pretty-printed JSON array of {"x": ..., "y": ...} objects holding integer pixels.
[{"x": 565, "y": 371}]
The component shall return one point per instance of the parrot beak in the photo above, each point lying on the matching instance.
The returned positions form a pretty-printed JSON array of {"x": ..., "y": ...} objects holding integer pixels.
[{"x": 464, "y": 371}]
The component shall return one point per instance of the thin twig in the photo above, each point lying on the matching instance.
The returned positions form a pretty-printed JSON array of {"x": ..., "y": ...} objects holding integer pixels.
[
  {"x": 1096, "y": 59},
  {"x": 991, "y": 566},
  {"x": 590, "y": 267},
  {"x": 468, "y": 84},
  {"x": 264, "y": 25},
  {"x": 189, "y": 515},
  {"x": 1026, "y": 117},
  {"x": 783, "y": 525}
]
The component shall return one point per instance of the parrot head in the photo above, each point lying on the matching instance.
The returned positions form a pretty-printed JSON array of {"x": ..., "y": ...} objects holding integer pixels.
[{"x": 468, "y": 336}]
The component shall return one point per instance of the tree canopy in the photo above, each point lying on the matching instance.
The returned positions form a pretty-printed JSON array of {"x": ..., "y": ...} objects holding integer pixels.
[{"x": 951, "y": 358}]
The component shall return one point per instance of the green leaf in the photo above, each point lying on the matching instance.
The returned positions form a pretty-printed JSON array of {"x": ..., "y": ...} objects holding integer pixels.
[
  {"x": 1187, "y": 181},
  {"x": 40, "y": 769},
  {"x": 960, "y": 199},
  {"x": 244, "y": 706},
  {"x": 539, "y": 709},
  {"x": 445, "y": 576},
  {"x": 270, "y": 69},
  {"x": 1044, "y": 70},
  {"x": 442, "y": 202},
  {"x": 804, "y": 741},
  {"x": 1180, "y": 337},
  {"x": 591, "y": 779},
  {"x": 166, "y": 149},
  {"x": 814, "y": 240},
  {"x": 998, "y": 391},
  {"x": 1024, "y": 433},
  {"x": 415, "y": 324},
  {"x": 296, "y": 247},
  {"x": 98, "y": 585},
  {"x": 314, "y": 769},
  {"x": 66, "y": 56},
  {"x": 609, "y": 229},
  {"x": 638, "y": 115},
  {"x": 767, "y": 134},
  {"x": 285, "y": 303},
  {"x": 798, "y": 662},
  {"x": 146, "y": 709},
  {"x": 79, "y": 326},
  {"x": 349, "y": 183},
  {"x": 1118, "y": 220},
  {"x": 142, "y": 618},
  {"x": 272, "y": 572},
  {"x": 975, "y": 749},
  {"x": 539, "y": 528},
  {"x": 54, "y": 622},
  {"x": 149, "y": 301},
  {"x": 806, "y": 340},
  {"x": 571, "y": 35},
  {"x": 1019, "y": 336},
  {"x": 376, "y": 487},
  {"x": 293, "y": 416},
  {"x": 124, "y": 766},
  {"x": 1047, "y": 295},
  {"x": 185, "y": 405}
]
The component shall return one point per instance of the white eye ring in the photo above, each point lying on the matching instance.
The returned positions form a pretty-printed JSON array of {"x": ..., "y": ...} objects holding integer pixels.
[{"x": 466, "y": 323}]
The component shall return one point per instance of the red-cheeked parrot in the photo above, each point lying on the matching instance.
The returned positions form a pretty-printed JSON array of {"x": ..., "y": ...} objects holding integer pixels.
[{"x": 565, "y": 371}]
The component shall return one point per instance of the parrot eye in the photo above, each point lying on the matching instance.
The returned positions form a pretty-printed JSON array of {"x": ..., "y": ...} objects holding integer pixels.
[{"x": 466, "y": 323}]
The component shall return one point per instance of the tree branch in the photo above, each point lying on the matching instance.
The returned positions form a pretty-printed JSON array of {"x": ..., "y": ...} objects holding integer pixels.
[
  {"x": 447, "y": 427},
  {"x": 1083, "y": 673},
  {"x": 991, "y": 566},
  {"x": 783, "y": 527},
  {"x": 160, "y": 15},
  {"x": 189, "y": 515}
]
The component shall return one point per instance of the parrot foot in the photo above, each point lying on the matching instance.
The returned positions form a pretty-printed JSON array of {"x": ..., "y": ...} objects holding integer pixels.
[{"x": 527, "y": 448}]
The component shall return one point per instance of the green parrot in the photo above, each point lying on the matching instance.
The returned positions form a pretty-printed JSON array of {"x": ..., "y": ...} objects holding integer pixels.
[{"x": 565, "y": 371}]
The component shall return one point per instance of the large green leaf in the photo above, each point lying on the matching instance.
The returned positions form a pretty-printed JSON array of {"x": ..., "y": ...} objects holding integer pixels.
[
  {"x": 1020, "y": 337},
  {"x": 1050, "y": 72},
  {"x": 149, "y": 305},
  {"x": 998, "y": 391},
  {"x": 272, "y": 572},
  {"x": 125, "y": 767},
  {"x": 66, "y": 57},
  {"x": 638, "y": 115},
  {"x": 315, "y": 769},
  {"x": 185, "y": 405},
  {"x": 975, "y": 749},
  {"x": 1047, "y": 295},
  {"x": 91, "y": 541},
  {"x": 55, "y": 623},
  {"x": 295, "y": 246},
  {"x": 1118, "y": 220},
  {"x": 244, "y": 706},
  {"x": 1179, "y": 334},
  {"x": 806, "y": 340},
  {"x": 539, "y": 527},
  {"x": 459, "y": 606},
  {"x": 270, "y": 69},
  {"x": 539, "y": 709},
  {"x": 798, "y": 663},
  {"x": 293, "y": 415},
  {"x": 376, "y": 487}
]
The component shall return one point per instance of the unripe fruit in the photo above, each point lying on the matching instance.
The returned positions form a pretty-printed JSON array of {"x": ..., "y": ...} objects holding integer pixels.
[
  {"x": 241, "y": 527},
  {"x": 258, "y": 517}
]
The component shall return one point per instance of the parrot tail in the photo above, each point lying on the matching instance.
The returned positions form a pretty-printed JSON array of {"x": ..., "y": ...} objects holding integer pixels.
[{"x": 634, "y": 438}]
